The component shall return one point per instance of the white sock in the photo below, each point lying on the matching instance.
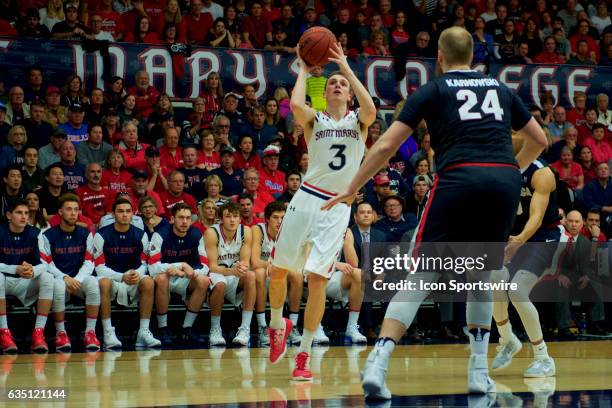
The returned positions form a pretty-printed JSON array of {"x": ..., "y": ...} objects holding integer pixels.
[
  {"x": 479, "y": 341},
  {"x": 505, "y": 331},
  {"x": 215, "y": 322},
  {"x": 41, "y": 321},
  {"x": 247, "y": 316},
  {"x": 162, "y": 320},
  {"x": 90, "y": 323},
  {"x": 352, "y": 319},
  {"x": 261, "y": 319},
  {"x": 306, "y": 343},
  {"x": 294, "y": 318},
  {"x": 106, "y": 324},
  {"x": 3, "y": 322},
  {"x": 144, "y": 324},
  {"x": 60, "y": 326},
  {"x": 189, "y": 319},
  {"x": 276, "y": 318},
  {"x": 540, "y": 350},
  {"x": 385, "y": 344}
]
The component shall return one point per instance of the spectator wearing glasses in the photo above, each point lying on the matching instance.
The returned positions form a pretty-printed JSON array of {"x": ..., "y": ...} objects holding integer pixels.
[
  {"x": 583, "y": 34},
  {"x": 394, "y": 222}
]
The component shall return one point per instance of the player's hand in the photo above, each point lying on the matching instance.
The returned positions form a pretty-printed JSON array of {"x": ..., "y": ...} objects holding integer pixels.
[
  {"x": 584, "y": 282},
  {"x": 344, "y": 268},
  {"x": 240, "y": 269},
  {"x": 188, "y": 271},
  {"x": 564, "y": 281},
  {"x": 513, "y": 246},
  {"x": 337, "y": 56},
  {"x": 131, "y": 277},
  {"x": 174, "y": 272},
  {"x": 72, "y": 285},
  {"x": 301, "y": 63},
  {"x": 346, "y": 197},
  {"x": 24, "y": 272}
]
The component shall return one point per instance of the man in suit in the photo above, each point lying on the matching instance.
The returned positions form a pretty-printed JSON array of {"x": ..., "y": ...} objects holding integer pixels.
[{"x": 365, "y": 233}]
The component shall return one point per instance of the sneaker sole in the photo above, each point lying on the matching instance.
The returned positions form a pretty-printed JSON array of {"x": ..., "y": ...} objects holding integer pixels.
[
  {"x": 92, "y": 347},
  {"x": 65, "y": 348},
  {"x": 525, "y": 375},
  {"x": 301, "y": 378},
  {"x": 373, "y": 391},
  {"x": 113, "y": 347},
  {"x": 11, "y": 350},
  {"x": 40, "y": 349},
  {"x": 510, "y": 360},
  {"x": 142, "y": 345}
]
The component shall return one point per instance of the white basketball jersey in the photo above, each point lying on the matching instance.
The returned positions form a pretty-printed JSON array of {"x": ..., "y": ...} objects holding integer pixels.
[
  {"x": 228, "y": 253},
  {"x": 335, "y": 150},
  {"x": 267, "y": 242}
]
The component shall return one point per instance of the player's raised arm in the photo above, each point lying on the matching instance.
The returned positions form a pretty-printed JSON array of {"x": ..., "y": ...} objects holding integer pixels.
[
  {"x": 378, "y": 155},
  {"x": 303, "y": 113},
  {"x": 367, "y": 110}
]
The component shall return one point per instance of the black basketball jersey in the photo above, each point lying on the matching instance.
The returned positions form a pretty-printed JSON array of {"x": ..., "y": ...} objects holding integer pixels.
[
  {"x": 551, "y": 216},
  {"x": 469, "y": 117}
]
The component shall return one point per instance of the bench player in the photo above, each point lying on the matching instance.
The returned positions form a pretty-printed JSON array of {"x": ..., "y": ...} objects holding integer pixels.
[
  {"x": 335, "y": 141},
  {"x": 67, "y": 251},
  {"x": 178, "y": 264},
  {"x": 228, "y": 246},
  {"x": 120, "y": 257},
  {"x": 469, "y": 117},
  {"x": 23, "y": 275}
]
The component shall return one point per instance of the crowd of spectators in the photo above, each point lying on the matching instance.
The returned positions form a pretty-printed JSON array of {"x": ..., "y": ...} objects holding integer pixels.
[
  {"x": 129, "y": 141},
  {"x": 540, "y": 31}
]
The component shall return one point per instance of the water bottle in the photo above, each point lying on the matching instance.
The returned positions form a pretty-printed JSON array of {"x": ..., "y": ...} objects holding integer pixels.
[{"x": 582, "y": 324}]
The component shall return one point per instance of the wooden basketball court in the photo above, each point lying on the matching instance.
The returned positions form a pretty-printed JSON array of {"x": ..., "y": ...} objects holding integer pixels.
[{"x": 420, "y": 375}]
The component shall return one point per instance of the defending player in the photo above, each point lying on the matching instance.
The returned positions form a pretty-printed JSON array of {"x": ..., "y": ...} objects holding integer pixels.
[
  {"x": 23, "y": 275},
  {"x": 178, "y": 264},
  {"x": 345, "y": 286},
  {"x": 67, "y": 252},
  {"x": 335, "y": 141},
  {"x": 228, "y": 245},
  {"x": 469, "y": 117},
  {"x": 120, "y": 256},
  {"x": 537, "y": 220}
]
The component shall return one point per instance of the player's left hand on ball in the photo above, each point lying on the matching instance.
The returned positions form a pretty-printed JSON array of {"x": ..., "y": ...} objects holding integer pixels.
[{"x": 346, "y": 197}]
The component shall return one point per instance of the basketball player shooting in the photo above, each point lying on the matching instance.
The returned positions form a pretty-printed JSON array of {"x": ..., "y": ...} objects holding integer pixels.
[
  {"x": 309, "y": 239},
  {"x": 474, "y": 197}
]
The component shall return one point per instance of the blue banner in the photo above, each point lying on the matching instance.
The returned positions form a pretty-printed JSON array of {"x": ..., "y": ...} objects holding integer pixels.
[{"x": 266, "y": 70}]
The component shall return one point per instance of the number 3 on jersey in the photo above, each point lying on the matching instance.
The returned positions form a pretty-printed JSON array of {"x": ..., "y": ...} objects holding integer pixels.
[
  {"x": 489, "y": 106},
  {"x": 339, "y": 158}
]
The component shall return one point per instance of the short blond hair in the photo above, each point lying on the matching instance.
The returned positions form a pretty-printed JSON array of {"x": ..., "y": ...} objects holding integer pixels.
[{"x": 456, "y": 45}]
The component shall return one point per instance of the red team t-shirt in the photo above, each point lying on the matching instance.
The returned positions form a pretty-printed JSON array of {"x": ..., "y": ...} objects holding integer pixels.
[
  {"x": 169, "y": 201},
  {"x": 94, "y": 204}
]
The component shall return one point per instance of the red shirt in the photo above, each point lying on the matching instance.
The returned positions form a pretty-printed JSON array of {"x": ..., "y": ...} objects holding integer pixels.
[
  {"x": 545, "y": 58},
  {"x": 56, "y": 219},
  {"x": 271, "y": 15},
  {"x": 263, "y": 198},
  {"x": 591, "y": 43},
  {"x": 201, "y": 227},
  {"x": 7, "y": 29},
  {"x": 168, "y": 160},
  {"x": 210, "y": 162},
  {"x": 159, "y": 187},
  {"x": 240, "y": 163},
  {"x": 255, "y": 221},
  {"x": 169, "y": 201},
  {"x": 602, "y": 152},
  {"x": 180, "y": 28},
  {"x": 197, "y": 30},
  {"x": 111, "y": 22},
  {"x": 116, "y": 182},
  {"x": 149, "y": 38},
  {"x": 154, "y": 9},
  {"x": 134, "y": 158},
  {"x": 572, "y": 178},
  {"x": 94, "y": 204},
  {"x": 144, "y": 100},
  {"x": 257, "y": 29},
  {"x": 575, "y": 118},
  {"x": 272, "y": 182}
]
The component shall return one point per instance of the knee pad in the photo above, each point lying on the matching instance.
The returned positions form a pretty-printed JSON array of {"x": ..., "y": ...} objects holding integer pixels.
[
  {"x": 525, "y": 281},
  {"x": 91, "y": 290},
  {"x": 403, "y": 312},
  {"x": 46, "y": 286},
  {"x": 59, "y": 295},
  {"x": 500, "y": 274}
]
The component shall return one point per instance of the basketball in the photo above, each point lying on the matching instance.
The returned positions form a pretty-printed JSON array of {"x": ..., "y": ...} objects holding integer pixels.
[{"x": 315, "y": 44}]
